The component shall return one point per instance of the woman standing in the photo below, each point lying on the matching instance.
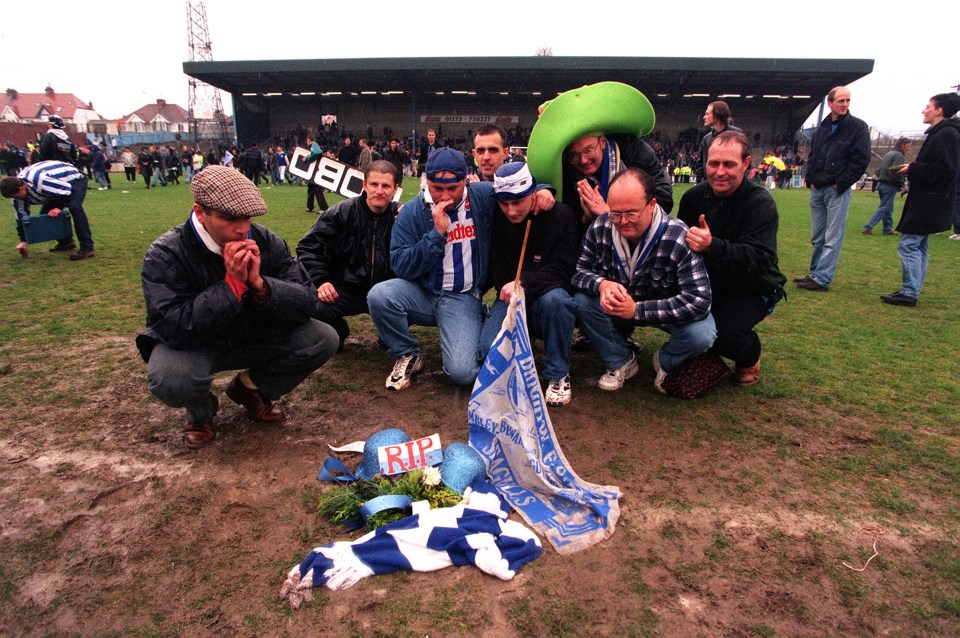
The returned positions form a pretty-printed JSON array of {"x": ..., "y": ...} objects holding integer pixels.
[{"x": 929, "y": 205}]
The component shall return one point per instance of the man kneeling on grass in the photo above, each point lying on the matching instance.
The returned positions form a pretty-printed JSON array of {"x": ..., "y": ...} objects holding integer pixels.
[
  {"x": 548, "y": 264},
  {"x": 635, "y": 269},
  {"x": 223, "y": 293}
]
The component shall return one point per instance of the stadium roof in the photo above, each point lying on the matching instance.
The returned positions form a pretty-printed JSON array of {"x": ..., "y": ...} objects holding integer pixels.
[{"x": 545, "y": 75}]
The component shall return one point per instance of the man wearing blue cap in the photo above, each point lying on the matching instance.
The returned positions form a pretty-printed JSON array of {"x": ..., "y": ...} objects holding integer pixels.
[
  {"x": 439, "y": 251},
  {"x": 549, "y": 263}
]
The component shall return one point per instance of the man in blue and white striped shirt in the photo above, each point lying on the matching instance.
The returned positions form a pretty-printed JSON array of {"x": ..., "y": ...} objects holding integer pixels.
[{"x": 53, "y": 186}]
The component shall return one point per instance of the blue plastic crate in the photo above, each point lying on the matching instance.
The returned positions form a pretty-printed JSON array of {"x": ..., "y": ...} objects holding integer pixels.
[{"x": 40, "y": 228}]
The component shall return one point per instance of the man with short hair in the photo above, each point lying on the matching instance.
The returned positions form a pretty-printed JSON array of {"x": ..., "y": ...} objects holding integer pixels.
[
  {"x": 489, "y": 152},
  {"x": 428, "y": 147},
  {"x": 889, "y": 184},
  {"x": 53, "y": 186},
  {"x": 347, "y": 251},
  {"x": 635, "y": 269},
  {"x": 314, "y": 190},
  {"x": 839, "y": 156},
  {"x": 348, "y": 153},
  {"x": 223, "y": 293},
  {"x": 396, "y": 156},
  {"x": 548, "y": 265},
  {"x": 366, "y": 156},
  {"x": 593, "y": 161},
  {"x": 252, "y": 163},
  {"x": 439, "y": 251},
  {"x": 717, "y": 119},
  {"x": 733, "y": 226}
]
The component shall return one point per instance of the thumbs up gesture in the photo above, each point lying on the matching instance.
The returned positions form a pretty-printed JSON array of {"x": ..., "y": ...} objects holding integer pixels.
[{"x": 699, "y": 237}]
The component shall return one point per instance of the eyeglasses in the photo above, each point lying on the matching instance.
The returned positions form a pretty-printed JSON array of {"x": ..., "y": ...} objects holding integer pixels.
[
  {"x": 631, "y": 217},
  {"x": 574, "y": 157}
]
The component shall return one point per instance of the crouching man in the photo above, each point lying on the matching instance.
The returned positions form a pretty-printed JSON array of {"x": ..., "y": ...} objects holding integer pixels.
[
  {"x": 548, "y": 265},
  {"x": 223, "y": 293},
  {"x": 347, "y": 251},
  {"x": 635, "y": 269}
]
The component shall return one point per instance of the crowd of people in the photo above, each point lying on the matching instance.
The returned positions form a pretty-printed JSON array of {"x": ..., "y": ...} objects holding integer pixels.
[{"x": 599, "y": 253}]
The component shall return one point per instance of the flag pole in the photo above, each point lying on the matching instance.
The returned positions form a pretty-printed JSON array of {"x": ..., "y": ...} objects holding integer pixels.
[{"x": 523, "y": 252}]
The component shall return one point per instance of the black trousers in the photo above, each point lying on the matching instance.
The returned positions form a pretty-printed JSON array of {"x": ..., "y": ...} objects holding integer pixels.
[
  {"x": 314, "y": 191},
  {"x": 350, "y": 301},
  {"x": 736, "y": 316}
]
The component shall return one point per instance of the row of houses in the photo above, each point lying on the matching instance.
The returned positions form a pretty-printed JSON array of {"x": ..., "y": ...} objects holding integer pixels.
[{"x": 160, "y": 120}]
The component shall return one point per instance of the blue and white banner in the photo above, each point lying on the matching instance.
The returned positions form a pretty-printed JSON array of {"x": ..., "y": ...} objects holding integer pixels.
[{"x": 511, "y": 429}]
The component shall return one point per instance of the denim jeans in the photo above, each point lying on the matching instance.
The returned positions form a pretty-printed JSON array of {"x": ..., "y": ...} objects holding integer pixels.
[
  {"x": 828, "y": 222},
  {"x": 550, "y": 317},
  {"x": 81, "y": 225},
  {"x": 101, "y": 178},
  {"x": 913, "y": 251},
  {"x": 607, "y": 335},
  {"x": 158, "y": 176},
  {"x": 884, "y": 212},
  {"x": 397, "y": 304},
  {"x": 279, "y": 360}
]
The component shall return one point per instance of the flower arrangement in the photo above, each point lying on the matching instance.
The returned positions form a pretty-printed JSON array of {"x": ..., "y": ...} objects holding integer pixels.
[{"x": 341, "y": 504}]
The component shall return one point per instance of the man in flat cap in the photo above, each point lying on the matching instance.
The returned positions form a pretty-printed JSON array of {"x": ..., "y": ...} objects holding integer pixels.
[{"x": 223, "y": 293}]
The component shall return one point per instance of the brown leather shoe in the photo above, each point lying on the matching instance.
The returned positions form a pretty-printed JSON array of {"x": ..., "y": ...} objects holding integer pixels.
[
  {"x": 81, "y": 254},
  {"x": 748, "y": 376},
  {"x": 256, "y": 404},
  {"x": 200, "y": 435},
  {"x": 204, "y": 434}
]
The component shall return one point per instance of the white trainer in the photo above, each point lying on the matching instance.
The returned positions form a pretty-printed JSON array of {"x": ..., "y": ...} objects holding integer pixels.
[
  {"x": 403, "y": 371},
  {"x": 558, "y": 391},
  {"x": 613, "y": 379},
  {"x": 661, "y": 375}
]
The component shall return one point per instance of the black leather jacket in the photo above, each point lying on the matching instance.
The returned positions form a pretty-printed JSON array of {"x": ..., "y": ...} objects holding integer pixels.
[
  {"x": 349, "y": 244},
  {"x": 190, "y": 305}
]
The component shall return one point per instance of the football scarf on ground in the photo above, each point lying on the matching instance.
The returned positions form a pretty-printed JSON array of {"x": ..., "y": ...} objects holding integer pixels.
[
  {"x": 475, "y": 532},
  {"x": 510, "y": 427}
]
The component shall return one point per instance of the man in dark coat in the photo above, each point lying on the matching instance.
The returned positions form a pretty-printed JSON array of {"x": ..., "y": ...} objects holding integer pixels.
[
  {"x": 841, "y": 152},
  {"x": 347, "y": 251},
  {"x": 929, "y": 205},
  {"x": 223, "y": 293},
  {"x": 733, "y": 225}
]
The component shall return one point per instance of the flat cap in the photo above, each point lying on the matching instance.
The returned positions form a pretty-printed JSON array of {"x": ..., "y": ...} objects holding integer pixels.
[{"x": 225, "y": 189}]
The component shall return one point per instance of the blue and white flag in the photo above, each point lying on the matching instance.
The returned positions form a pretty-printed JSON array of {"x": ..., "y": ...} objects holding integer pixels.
[{"x": 511, "y": 429}]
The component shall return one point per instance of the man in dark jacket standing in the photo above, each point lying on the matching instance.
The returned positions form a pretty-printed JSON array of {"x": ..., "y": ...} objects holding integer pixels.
[
  {"x": 929, "y": 205},
  {"x": 222, "y": 294},
  {"x": 841, "y": 152},
  {"x": 717, "y": 117},
  {"x": 733, "y": 225},
  {"x": 347, "y": 251}
]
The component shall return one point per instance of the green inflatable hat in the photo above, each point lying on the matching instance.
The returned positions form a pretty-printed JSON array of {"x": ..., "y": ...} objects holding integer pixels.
[{"x": 604, "y": 108}]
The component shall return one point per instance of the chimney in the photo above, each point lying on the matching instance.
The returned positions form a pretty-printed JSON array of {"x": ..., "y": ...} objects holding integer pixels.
[
  {"x": 11, "y": 94},
  {"x": 161, "y": 103},
  {"x": 49, "y": 91}
]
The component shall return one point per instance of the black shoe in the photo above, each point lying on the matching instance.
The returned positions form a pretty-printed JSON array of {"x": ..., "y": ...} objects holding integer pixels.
[
  {"x": 798, "y": 280},
  {"x": 64, "y": 247},
  {"x": 898, "y": 299},
  {"x": 810, "y": 284}
]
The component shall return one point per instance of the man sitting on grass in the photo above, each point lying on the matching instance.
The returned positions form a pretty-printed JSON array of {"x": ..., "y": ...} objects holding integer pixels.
[{"x": 223, "y": 293}]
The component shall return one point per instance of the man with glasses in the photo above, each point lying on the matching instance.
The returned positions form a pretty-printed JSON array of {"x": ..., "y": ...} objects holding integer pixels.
[
  {"x": 636, "y": 269},
  {"x": 591, "y": 163},
  {"x": 733, "y": 226}
]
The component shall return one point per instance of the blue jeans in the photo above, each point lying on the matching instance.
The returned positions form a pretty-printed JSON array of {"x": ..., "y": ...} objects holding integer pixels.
[
  {"x": 828, "y": 222},
  {"x": 550, "y": 317},
  {"x": 397, "y": 304},
  {"x": 884, "y": 212},
  {"x": 913, "y": 251},
  {"x": 606, "y": 333},
  {"x": 158, "y": 175},
  {"x": 81, "y": 226},
  {"x": 101, "y": 178},
  {"x": 188, "y": 172}
]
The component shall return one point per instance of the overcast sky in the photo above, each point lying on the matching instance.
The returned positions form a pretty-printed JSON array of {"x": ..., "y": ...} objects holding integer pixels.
[{"x": 122, "y": 54}]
